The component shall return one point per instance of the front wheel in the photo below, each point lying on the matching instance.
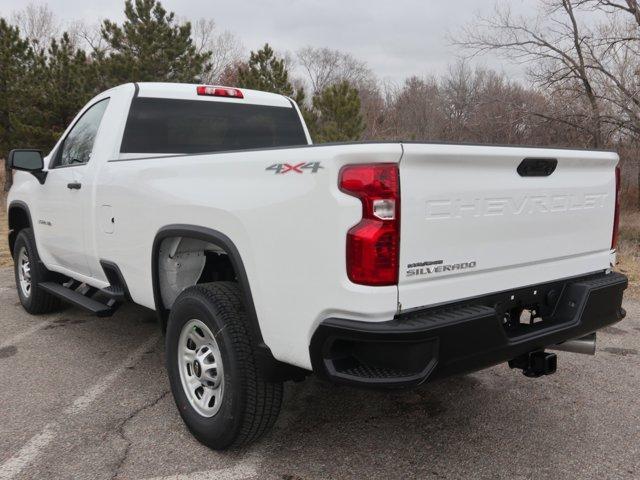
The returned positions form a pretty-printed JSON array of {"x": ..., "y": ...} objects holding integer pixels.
[
  {"x": 214, "y": 378},
  {"x": 29, "y": 272}
]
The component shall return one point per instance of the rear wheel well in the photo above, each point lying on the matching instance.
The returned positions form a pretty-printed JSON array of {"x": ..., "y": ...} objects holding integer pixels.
[
  {"x": 203, "y": 255},
  {"x": 18, "y": 220},
  {"x": 185, "y": 261}
]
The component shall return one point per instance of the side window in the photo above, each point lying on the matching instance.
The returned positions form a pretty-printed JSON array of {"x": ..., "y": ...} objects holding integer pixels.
[{"x": 77, "y": 146}]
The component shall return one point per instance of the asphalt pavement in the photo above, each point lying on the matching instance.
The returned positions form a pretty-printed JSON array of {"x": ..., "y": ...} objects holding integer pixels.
[{"x": 88, "y": 398}]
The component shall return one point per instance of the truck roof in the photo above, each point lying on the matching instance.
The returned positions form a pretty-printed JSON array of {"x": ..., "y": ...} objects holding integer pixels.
[{"x": 187, "y": 91}]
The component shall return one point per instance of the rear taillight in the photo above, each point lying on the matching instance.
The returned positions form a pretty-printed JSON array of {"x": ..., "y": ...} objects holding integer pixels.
[
  {"x": 616, "y": 218},
  {"x": 212, "y": 91},
  {"x": 373, "y": 245}
]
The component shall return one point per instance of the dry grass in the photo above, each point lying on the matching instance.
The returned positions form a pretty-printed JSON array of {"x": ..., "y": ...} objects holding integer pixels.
[
  {"x": 629, "y": 250},
  {"x": 5, "y": 256}
]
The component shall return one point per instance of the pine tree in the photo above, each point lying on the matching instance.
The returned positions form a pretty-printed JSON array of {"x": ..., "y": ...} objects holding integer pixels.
[
  {"x": 15, "y": 59},
  {"x": 71, "y": 79},
  {"x": 338, "y": 117},
  {"x": 151, "y": 46},
  {"x": 266, "y": 72}
]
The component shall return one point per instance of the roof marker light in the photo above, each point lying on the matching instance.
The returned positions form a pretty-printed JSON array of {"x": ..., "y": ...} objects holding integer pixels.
[{"x": 212, "y": 91}]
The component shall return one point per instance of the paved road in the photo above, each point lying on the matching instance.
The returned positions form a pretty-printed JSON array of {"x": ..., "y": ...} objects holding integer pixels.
[{"x": 82, "y": 397}]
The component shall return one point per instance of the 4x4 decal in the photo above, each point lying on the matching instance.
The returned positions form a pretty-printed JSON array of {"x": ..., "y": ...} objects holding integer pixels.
[{"x": 281, "y": 168}]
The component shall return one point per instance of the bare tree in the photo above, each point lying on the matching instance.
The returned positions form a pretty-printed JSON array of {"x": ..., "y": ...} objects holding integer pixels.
[
  {"x": 372, "y": 109},
  {"x": 324, "y": 67},
  {"x": 226, "y": 49},
  {"x": 37, "y": 23},
  {"x": 320, "y": 68},
  {"x": 86, "y": 36},
  {"x": 616, "y": 60},
  {"x": 629, "y": 6},
  {"x": 476, "y": 105},
  {"x": 554, "y": 47},
  {"x": 420, "y": 110},
  {"x": 585, "y": 55}
]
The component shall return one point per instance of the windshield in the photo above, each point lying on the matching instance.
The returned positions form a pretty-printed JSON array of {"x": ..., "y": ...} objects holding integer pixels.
[{"x": 161, "y": 125}]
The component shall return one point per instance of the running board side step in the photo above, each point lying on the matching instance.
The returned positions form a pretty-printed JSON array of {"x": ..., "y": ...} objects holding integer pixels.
[{"x": 79, "y": 300}]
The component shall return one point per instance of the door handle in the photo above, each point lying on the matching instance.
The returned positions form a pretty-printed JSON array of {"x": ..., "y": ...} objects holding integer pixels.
[{"x": 74, "y": 186}]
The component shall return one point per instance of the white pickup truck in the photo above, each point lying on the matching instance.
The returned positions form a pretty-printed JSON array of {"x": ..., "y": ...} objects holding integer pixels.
[{"x": 267, "y": 258}]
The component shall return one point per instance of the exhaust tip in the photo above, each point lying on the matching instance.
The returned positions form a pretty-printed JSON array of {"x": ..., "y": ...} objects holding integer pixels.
[{"x": 585, "y": 345}]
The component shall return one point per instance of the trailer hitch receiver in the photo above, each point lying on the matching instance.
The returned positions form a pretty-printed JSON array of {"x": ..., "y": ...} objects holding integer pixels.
[{"x": 536, "y": 363}]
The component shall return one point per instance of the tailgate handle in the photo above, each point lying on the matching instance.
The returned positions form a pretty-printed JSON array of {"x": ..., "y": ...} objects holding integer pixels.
[{"x": 537, "y": 167}]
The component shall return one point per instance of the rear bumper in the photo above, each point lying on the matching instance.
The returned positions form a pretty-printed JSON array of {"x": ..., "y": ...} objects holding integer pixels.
[{"x": 436, "y": 342}]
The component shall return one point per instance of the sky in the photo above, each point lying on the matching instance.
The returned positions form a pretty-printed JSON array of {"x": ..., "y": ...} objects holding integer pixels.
[{"x": 396, "y": 38}]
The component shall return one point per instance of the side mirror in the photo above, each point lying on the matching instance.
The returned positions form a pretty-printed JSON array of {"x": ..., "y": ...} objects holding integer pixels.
[{"x": 28, "y": 160}]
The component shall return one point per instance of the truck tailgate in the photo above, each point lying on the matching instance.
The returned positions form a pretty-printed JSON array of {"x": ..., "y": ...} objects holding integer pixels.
[{"x": 471, "y": 224}]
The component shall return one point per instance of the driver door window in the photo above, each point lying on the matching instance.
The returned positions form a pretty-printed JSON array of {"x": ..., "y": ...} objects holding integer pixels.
[{"x": 78, "y": 144}]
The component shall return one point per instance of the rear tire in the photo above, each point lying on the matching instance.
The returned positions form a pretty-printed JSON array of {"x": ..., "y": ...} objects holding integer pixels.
[
  {"x": 207, "y": 341},
  {"x": 29, "y": 272}
]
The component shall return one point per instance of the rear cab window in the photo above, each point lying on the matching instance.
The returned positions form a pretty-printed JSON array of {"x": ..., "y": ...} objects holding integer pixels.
[{"x": 178, "y": 126}]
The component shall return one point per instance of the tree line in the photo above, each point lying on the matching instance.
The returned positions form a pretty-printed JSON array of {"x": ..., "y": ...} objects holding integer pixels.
[{"x": 581, "y": 56}]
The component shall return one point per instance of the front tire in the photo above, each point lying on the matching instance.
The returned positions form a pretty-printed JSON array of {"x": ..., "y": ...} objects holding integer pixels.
[
  {"x": 215, "y": 382},
  {"x": 29, "y": 272}
]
